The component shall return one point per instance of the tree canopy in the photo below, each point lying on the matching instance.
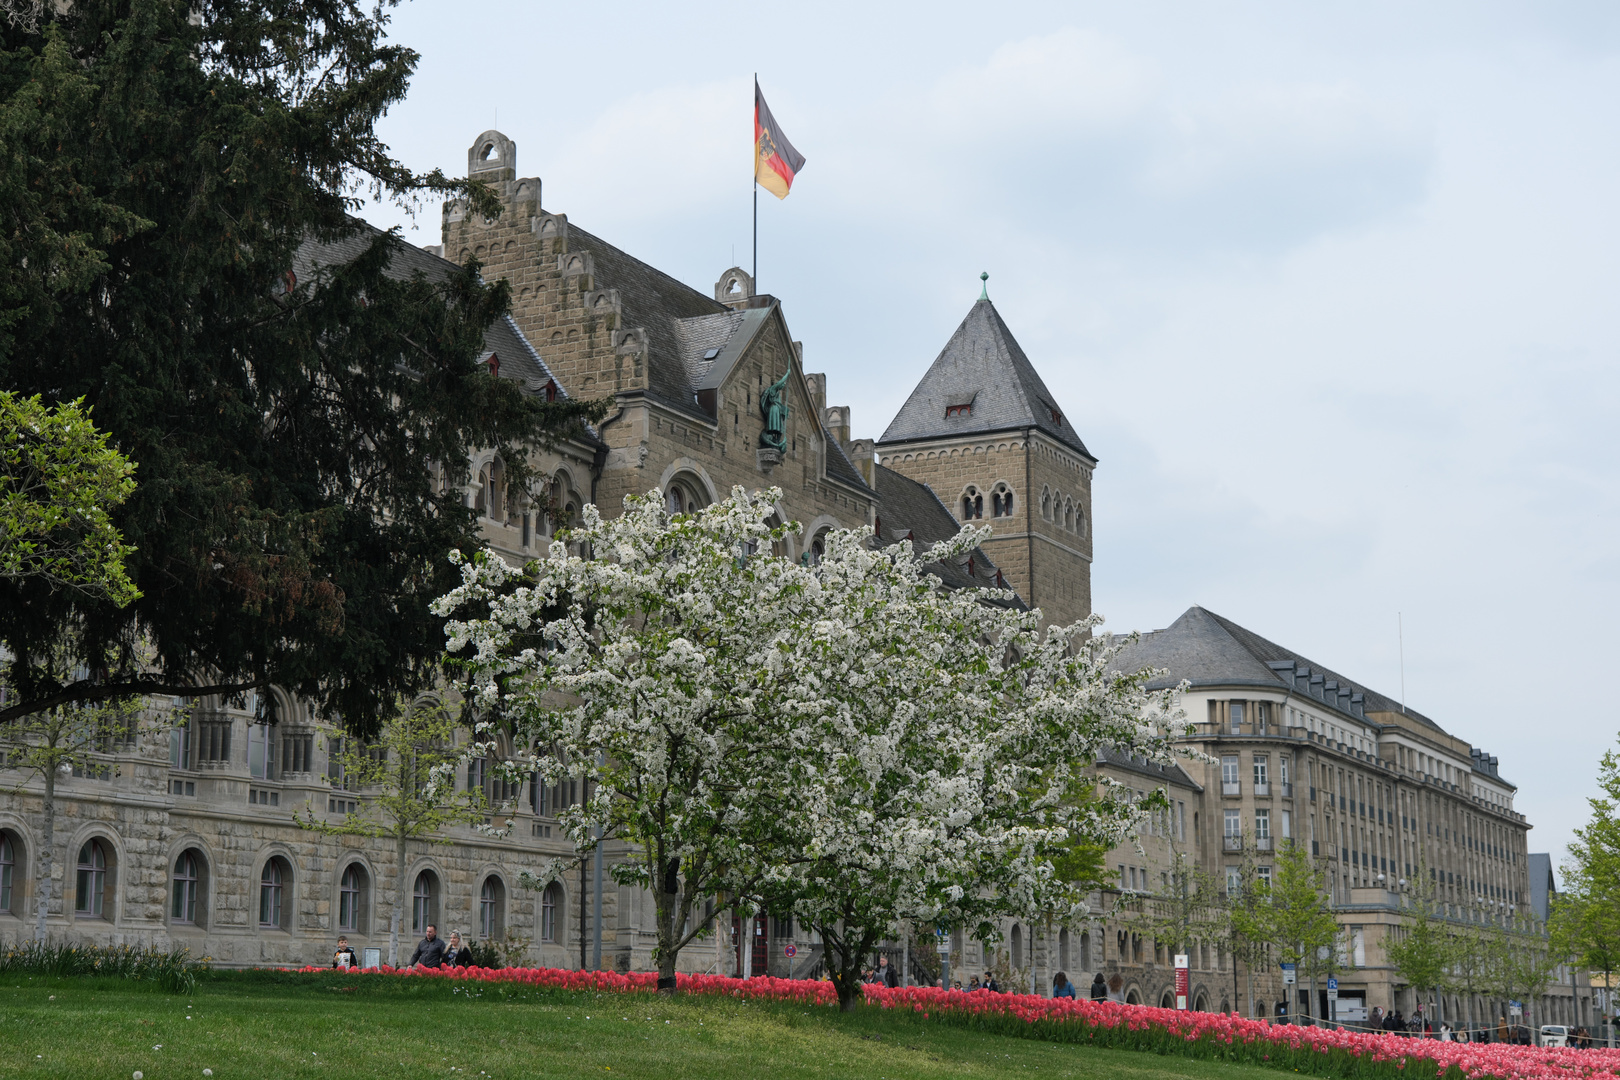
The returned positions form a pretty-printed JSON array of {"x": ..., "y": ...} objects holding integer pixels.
[
  {"x": 59, "y": 481},
  {"x": 848, "y": 741},
  {"x": 164, "y": 165}
]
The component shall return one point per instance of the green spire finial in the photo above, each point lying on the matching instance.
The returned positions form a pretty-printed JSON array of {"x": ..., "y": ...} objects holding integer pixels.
[{"x": 984, "y": 292}]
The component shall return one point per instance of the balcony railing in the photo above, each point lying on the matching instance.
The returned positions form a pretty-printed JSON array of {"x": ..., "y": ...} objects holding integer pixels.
[
  {"x": 1231, "y": 787},
  {"x": 1288, "y": 790},
  {"x": 1231, "y": 843},
  {"x": 1262, "y": 790},
  {"x": 1262, "y": 843}
]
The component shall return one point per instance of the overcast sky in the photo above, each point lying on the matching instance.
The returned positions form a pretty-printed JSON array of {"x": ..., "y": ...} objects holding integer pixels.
[{"x": 1330, "y": 290}]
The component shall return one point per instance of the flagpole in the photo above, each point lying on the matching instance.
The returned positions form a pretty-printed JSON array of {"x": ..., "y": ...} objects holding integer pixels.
[{"x": 755, "y": 274}]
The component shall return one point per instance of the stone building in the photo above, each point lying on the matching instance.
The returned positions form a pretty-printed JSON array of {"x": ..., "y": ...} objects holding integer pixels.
[
  {"x": 187, "y": 836},
  {"x": 1297, "y": 753}
]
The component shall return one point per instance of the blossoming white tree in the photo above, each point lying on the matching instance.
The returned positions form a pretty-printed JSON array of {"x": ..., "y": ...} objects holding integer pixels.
[
  {"x": 848, "y": 738},
  {"x": 656, "y": 670},
  {"x": 950, "y": 738}
]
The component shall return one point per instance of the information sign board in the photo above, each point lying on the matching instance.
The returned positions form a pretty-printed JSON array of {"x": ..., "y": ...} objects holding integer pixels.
[{"x": 1181, "y": 981}]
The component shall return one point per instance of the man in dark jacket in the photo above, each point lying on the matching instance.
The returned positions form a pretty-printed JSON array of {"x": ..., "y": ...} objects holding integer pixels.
[
  {"x": 429, "y": 951},
  {"x": 886, "y": 973}
]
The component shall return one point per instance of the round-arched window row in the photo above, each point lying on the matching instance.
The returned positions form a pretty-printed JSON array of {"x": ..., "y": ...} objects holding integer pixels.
[
  {"x": 492, "y": 909},
  {"x": 352, "y": 889},
  {"x": 93, "y": 881},
  {"x": 275, "y": 894},
  {"x": 11, "y": 874},
  {"x": 425, "y": 902},
  {"x": 551, "y": 912}
]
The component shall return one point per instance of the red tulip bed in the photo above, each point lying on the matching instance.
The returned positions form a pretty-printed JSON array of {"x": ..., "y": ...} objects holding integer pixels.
[{"x": 1314, "y": 1051}]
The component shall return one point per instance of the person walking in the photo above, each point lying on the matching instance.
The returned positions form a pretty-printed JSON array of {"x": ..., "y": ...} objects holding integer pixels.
[
  {"x": 1502, "y": 1030},
  {"x": 1099, "y": 988},
  {"x": 457, "y": 954},
  {"x": 430, "y": 950},
  {"x": 1061, "y": 986}
]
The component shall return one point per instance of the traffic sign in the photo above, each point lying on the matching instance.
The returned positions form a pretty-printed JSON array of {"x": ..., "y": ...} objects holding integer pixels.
[
  {"x": 1289, "y": 974},
  {"x": 1333, "y": 989},
  {"x": 790, "y": 950}
]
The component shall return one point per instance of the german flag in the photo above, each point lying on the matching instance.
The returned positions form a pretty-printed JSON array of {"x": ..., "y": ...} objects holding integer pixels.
[{"x": 776, "y": 163}]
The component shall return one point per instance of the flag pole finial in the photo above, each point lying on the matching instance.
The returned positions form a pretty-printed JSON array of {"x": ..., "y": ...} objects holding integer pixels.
[{"x": 984, "y": 290}]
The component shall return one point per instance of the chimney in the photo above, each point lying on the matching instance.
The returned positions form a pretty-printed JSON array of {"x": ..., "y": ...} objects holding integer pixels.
[
  {"x": 816, "y": 383},
  {"x": 861, "y": 453},
  {"x": 836, "y": 421}
]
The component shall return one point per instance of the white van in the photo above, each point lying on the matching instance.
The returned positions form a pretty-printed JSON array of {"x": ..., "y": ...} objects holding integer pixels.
[{"x": 1554, "y": 1035}]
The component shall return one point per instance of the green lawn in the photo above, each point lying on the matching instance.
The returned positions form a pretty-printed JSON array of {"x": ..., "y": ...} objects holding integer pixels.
[{"x": 265, "y": 1027}]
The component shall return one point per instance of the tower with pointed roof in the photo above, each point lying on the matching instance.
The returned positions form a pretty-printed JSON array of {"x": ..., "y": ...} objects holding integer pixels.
[{"x": 984, "y": 432}]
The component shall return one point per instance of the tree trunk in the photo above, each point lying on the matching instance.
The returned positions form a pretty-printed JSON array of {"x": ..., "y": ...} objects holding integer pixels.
[
  {"x": 671, "y": 909},
  {"x": 399, "y": 902},
  {"x": 42, "y": 882},
  {"x": 843, "y": 961}
]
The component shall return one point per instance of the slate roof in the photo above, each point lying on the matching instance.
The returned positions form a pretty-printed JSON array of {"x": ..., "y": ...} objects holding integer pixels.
[
  {"x": 1172, "y": 773},
  {"x": 682, "y": 327},
  {"x": 984, "y": 365},
  {"x": 1543, "y": 887},
  {"x": 518, "y": 359},
  {"x": 1207, "y": 649},
  {"x": 654, "y": 301},
  {"x": 909, "y": 510}
]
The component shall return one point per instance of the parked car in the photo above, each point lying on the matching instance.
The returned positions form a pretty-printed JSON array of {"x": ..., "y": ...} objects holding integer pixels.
[{"x": 1554, "y": 1035}]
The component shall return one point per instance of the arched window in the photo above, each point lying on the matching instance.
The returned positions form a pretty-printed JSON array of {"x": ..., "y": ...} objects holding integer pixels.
[
  {"x": 1017, "y": 946},
  {"x": 551, "y": 902},
  {"x": 1085, "y": 952},
  {"x": 972, "y": 504},
  {"x": 481, "y": 500},
  {"x": 491, "y": 899},
  {"x": 1063, "y": 950},
  {"x": 1001, "y": 501},
  {"x": 91, "y": 891},
  {"x": 1080, "y": 519},
  {"x": 683, "y": 496},
  {"x": 1046, "y": 504},
  {"x": 187, "y": 885},
  {"x": 273, "y": 883},
  {"x": 351, "y": 892},
  {"x": 1068, "y": 515},
  {"x": 8, "y": 868},
  {"x": 424, "y": 901}
]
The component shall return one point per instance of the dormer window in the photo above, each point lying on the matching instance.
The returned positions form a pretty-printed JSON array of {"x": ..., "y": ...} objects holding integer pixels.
[
  {"x": 550, "y": 390},
  {"x": 494, "y": 363},
  {"x": 710, "y": 354},
  {"x": 1057, "y": 418},
  {"x": 958, "y": 410}
]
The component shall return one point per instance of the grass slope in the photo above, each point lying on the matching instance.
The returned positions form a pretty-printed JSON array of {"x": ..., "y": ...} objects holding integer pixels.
[{"x": 259, "y": 1026}]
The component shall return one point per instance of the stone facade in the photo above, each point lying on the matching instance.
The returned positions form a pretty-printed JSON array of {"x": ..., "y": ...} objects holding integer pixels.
[{"x": 1376, "y": 791}]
